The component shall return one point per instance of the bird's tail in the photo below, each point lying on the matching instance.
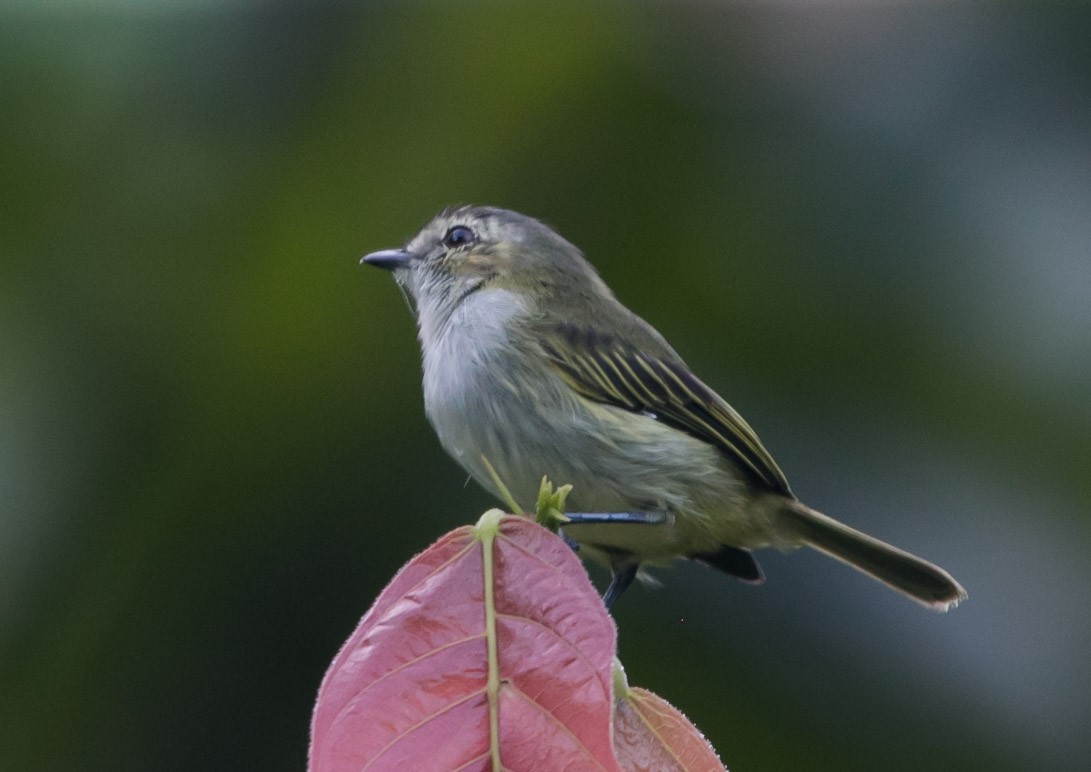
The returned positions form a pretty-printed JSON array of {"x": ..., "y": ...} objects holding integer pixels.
[{"x": 918, "y": 579}]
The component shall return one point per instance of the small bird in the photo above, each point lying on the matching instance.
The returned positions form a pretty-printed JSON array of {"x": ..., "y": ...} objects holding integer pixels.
[{"x": 531, "y": 363}]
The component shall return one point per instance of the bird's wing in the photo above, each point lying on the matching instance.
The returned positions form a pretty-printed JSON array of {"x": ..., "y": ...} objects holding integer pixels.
[{"x": 658, "y": 384}]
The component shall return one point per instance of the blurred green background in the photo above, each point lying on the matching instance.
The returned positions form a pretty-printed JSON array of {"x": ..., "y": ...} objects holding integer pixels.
[{"x": 867, "y": 225}]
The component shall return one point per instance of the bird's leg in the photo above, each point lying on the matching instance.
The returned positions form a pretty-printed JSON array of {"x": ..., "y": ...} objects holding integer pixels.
[
  {"x": 623, "y": 574},
  {"x": 599, "y": 518},
  {"x": 623, "y": 567}
]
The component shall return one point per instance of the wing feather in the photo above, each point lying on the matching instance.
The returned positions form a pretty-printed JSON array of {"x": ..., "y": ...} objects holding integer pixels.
[{"x": 608, "y": 371}]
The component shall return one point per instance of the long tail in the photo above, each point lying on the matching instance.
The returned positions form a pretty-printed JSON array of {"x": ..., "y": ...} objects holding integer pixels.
[{"x": 918, "y": 579}]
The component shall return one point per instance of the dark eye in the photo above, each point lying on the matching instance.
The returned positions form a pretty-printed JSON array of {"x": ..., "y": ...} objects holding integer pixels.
[{"x": 459, "y": 235}]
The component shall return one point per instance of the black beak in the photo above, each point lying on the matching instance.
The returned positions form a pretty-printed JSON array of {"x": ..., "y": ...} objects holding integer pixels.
[{"x": 388, "y": 259}]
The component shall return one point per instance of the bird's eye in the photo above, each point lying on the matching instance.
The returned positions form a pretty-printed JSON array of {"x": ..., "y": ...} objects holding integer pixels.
[{"x": 458, "y": 236}]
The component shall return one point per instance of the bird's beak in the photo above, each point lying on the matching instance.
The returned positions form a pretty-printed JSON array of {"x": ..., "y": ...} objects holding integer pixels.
[{"x": 388, "y": 259}]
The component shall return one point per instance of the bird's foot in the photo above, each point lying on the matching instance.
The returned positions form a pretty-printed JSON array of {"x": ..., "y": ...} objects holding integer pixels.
[{"x": 598, "y": 518}]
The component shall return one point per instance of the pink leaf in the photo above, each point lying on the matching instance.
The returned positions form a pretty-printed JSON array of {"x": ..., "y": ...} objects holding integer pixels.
[
  {"x": 490, "y": 642},
  {"x": 651, "y": 735}
]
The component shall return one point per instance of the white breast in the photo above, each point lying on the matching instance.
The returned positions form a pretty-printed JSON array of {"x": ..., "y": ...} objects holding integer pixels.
[{"x": 466, "y": 357}]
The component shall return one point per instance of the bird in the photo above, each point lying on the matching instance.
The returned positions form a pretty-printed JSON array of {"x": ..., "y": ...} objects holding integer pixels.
[{"x": 531, "y": 366}]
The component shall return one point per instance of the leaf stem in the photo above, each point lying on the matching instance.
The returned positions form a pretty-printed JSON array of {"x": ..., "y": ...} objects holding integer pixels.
[
  {"x": 487, "y": 528},
  {"x": 505, "y": 494}
]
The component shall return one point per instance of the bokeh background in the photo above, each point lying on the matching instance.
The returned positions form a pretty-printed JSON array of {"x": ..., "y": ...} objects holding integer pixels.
[{"x": 867, "y": 224}]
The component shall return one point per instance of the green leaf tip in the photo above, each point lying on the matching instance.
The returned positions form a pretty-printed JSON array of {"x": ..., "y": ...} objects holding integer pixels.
[
  {"x": 549, "y": 511},
  {"x": 621, "y": 683},
  {"x": 488, "y": 525}
]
